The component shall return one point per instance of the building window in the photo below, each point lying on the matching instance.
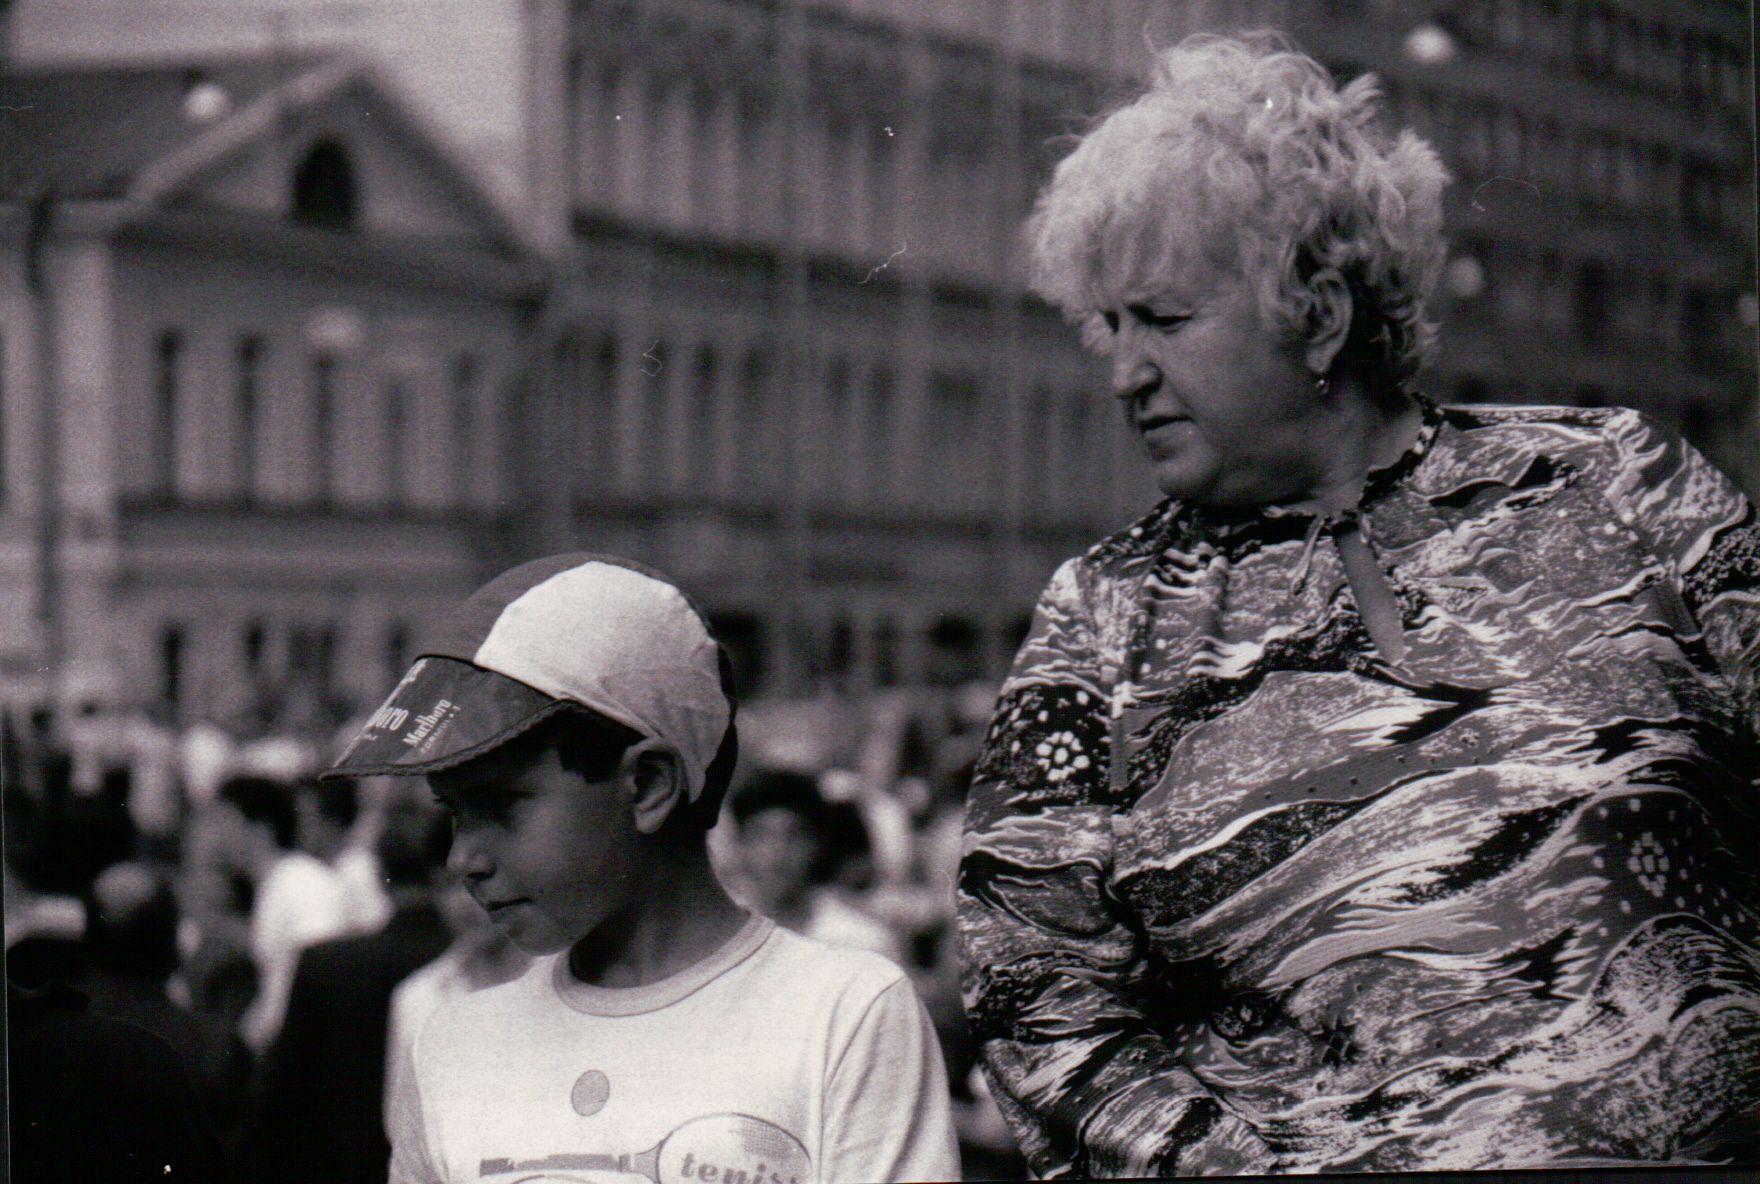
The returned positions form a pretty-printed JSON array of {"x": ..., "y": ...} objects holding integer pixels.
[
  {"x": 955, "y": 650},
  {"x": 1701, "y": 197},
  {"x": 397, "y": 419},
  {"x": 323, "y": 380},
  {"x": 397, "y": 646},
  {"x": 886, "y": 670},
  {"x": 1594, "y": 37},
  {"x": 839, "y": 444},
  {"x": 311, "y": 658},
  {"x": 1699, "y": 329},
  {"x": 953, "y": 413},
  {"x": 462, "y": 399},
  {"x": 742, "y": 636},
  {"x": 324, "y": 191},
  {"x": 1592, "y": 304},
  {"x": 171, "y": 659},
  {"x": 1699, "y": 425},
  {"x": 1509, "y": 141},
  {"x": 2, "y": 420},
  {"x": 703, "y": 409},
  {"x": 167, "y": 362},
  {"x": 840, "y": 650},
  {"x": 1473, "y": 132},
  {"x": 653, "y": 363},
  {"x": 877, "y": 439},
  {"x": 598, "y": 418},
  {"x": 751, "y": 471},
  {"x": 248, "y": 394},
  {"x": 255, "y": 645}
]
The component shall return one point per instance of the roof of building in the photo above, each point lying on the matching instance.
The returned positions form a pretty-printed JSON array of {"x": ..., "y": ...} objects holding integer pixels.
[{"x": 89, "y": 130}]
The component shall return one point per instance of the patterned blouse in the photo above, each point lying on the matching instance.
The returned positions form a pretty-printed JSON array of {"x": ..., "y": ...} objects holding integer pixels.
[{"x": 1243, "y": 893}]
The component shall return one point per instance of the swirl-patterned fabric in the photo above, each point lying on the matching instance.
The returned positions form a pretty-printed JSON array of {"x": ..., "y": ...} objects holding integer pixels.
[{"x": 1240, "y": 894}]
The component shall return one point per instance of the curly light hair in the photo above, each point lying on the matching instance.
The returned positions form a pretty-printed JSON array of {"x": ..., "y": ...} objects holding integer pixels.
[{"x": 1290, "y": 174}]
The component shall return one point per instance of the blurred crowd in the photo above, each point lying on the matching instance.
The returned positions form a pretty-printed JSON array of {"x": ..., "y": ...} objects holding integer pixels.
[{"x": 280, "y": 937}]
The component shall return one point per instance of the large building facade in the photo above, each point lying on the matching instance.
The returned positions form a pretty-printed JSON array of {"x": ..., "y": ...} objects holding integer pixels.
[{"x": 785, "y": 351}]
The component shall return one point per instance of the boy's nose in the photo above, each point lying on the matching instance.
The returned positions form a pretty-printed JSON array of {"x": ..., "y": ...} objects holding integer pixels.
[{"x": 467, "y": 858}]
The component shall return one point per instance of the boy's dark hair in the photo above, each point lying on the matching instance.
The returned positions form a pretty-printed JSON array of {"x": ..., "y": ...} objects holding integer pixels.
[
  {"x": 263, "y": 800},
  {"x": 591, "y": 745}
]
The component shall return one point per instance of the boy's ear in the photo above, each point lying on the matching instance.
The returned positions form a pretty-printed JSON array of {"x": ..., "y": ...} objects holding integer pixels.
[{"x": 655, "y": 776}]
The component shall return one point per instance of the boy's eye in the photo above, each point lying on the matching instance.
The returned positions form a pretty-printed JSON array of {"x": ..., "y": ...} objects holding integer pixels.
[{"x": 1111, "y": 320}]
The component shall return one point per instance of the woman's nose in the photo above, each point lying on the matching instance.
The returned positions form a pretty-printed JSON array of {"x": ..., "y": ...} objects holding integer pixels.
[{"x": 1134, "y": 376}]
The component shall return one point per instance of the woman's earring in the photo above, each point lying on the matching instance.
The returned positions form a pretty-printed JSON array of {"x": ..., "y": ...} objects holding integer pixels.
[{"x": 1323, "y": 384}]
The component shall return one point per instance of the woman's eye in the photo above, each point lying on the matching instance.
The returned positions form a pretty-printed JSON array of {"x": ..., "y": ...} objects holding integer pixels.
[
  {"x": 1165, "y": 323},
  {"x": 1111, "y": 319}
]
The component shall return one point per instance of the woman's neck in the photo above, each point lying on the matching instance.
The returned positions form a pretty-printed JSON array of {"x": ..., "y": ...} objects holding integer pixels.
[{"x": 1365, "y": 433}]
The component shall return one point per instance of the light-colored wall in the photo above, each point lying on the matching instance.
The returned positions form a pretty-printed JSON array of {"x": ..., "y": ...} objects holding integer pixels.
[{"x": 411, "y": 332}]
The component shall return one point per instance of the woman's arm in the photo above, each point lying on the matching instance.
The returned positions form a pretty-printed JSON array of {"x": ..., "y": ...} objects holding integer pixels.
[
  {"x": 1703, "y": 527},
  {"x": 1087, "y": 1084}
]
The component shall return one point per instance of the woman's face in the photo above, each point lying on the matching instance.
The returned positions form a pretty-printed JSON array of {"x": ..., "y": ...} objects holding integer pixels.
[{"x": 1222, "y": 400}]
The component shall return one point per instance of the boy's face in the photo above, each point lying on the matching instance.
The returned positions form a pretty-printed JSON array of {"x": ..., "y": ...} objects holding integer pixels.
[{"x": 548, "y": 854}]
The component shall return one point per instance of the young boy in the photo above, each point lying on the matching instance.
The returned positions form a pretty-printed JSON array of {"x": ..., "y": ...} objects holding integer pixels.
[{"x": 576, "y": 718}]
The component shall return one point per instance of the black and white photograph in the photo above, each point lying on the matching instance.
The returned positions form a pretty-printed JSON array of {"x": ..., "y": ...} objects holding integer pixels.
[{"x": 850, "y": 591}]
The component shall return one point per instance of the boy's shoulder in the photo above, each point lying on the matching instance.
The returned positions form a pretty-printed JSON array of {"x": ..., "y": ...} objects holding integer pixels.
[
  {"x": 856, "y": 974},
  {"x": 488, "y": 1011}
]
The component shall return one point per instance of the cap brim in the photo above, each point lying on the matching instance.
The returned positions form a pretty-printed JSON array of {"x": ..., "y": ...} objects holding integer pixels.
[{"x": 443, "y": 713}]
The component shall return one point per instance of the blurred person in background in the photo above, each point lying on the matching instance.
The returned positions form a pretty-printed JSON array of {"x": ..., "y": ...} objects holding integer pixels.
[
  {"x": 131, "y": 936},
  {"x": 1376, "y": 802},
  {"x": 334, "y": 829},
  {"x": 800, "y": 860},
  {"x": 297, "y": 899},
  {"x": 44, "y": 924},
  {"x": 216, "y": 973},
  {"x": 317, "y": 1104},
  {"x": 95, "y": 1098}
]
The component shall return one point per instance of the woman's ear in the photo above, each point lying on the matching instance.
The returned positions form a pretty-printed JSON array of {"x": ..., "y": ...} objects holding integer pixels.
[
  {"x": 1329, "y": 321},
  {"x": 655, "y": 777}
]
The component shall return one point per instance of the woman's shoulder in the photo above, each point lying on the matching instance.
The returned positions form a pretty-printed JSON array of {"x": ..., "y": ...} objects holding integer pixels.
[
  {"x": 1148, "y": 536},
  {"x": 1536, "y": 442},
  {"x": 1587, "y": 427}
]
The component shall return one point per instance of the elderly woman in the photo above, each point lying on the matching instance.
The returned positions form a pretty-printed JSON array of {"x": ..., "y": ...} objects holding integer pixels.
[{"x": 1376, "y": 802}]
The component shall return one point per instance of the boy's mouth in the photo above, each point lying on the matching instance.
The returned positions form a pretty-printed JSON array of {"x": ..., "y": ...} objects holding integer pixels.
[{"x": 493, "y": 907}]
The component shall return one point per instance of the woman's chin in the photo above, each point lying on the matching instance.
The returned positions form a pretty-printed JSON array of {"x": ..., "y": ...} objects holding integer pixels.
[{"x": 1185, "y": 482}]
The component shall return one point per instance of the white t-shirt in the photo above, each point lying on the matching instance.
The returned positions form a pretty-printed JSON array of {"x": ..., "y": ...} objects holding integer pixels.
[
  {"x": 775, "y": 1060},
  {"x": 300, "y": 903}
]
